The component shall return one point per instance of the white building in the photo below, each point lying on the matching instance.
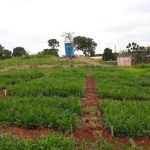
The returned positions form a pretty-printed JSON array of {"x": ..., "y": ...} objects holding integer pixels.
[{"x": 124, "y": 61}]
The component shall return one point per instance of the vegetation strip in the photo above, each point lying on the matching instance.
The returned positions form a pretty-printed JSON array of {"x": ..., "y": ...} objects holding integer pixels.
[
  {"x": 91, "y": 128},
  {"x": 127, "y": 118},
  {"x": 123, "y": 83},
  {"x": 61, "y": 113},
  {"x": 50, "y": 142}
]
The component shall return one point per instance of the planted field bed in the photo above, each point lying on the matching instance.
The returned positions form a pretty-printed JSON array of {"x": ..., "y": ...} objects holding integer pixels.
[
  {"x": 61, "y": 113},
  {"x": 123, "y": 83},
  {"x": 16, "y": 77},
  {"x": 63, "y": 83},
  {"x": 52, "y": 142},
  {"x": 126, "y": 110},
  {"x": 127, "y": 118}
]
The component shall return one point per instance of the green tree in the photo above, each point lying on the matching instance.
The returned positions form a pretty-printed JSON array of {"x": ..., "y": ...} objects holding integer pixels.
[
  {"x": 7, "y": 54},
  {"x": 53, "y": 43},
  {"x": 108, "y": 55},
  {"x": 148, "y": 50},
  {"x": 49, "y": 52},
  {"x": 1, "y": 51},
  {"x": 19, "y": 51},
  {"x": 138, "y": 52},
  {"x": 1, "y": 47},
  {"x": 4, "y": 53},
  {"x": 85, "y": 44}
]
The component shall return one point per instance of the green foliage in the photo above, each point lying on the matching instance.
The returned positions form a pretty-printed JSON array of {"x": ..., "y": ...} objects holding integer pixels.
[
  {"x": 49, "y": 86},
  {"x": 1, "y": 47},
  {"x": 108, "y": 55},
  {"x": 127, "y": 118},
  {"x": 19, "y": 51},
  {"x": 148, "y": 50},
  {"x": 36, "y": 60},
  {"x": 139, "y": 53},
  {"x": 123, "y": 83},
  {"x": 132, "y": 47},
  {"x": 53, "y": 52},
  {"x": 53, "y": 43},
  {"x": 51, "y": 142},
  {"x": 4, "y": 53},
  {"x": 85, "y": 44},
  {"x": 39, "y": 112},
  {"x": 142, "y": 65},
  {"x": 15, "y": 77},
  {"x": 7, "y": 54}
]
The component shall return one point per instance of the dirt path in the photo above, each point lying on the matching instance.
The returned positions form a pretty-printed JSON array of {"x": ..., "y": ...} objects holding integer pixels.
[{"x": 91, "y": 128}]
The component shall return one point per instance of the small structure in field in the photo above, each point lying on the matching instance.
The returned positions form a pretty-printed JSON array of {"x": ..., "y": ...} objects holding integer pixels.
[
  {"x": 3, "y": 93},
  {"x": 68, "y": 41},
  {"x": 124, "y": 61}
]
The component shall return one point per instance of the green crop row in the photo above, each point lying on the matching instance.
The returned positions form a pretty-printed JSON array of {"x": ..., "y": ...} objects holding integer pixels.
[
  {"x": 61, "y": 113},
  {"x": 15, "y": 77},
  {"x": 127, "y": 118},
  {"x": 50, "y": 86},
  {"x": 52, "y": 142},
  {"x": 123, "y": 83}
]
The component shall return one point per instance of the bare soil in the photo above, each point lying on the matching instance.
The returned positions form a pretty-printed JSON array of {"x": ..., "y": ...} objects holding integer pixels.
[
  {"x": 26, "y": 133},
  {"x": 2, "y": 93}
]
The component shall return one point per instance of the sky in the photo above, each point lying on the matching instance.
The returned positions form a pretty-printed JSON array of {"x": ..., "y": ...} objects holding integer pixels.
[{"x": 30, "y": 23}]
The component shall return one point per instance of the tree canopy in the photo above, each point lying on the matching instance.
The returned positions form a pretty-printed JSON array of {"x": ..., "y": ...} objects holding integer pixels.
[
  {"x": 19, "y": 51},
  {"x": 85, "y": 44},
  {"x": 134, "y": 47},
  {"x": 139, "y": 53},
  {"x": 53, "y": 52},
  {"x": 107, "y": 55},
  {"x": 53, "y": 43},
  {"x": 4, "y": 53}
]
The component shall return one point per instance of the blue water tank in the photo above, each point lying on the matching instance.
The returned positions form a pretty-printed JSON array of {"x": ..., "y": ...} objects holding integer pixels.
[{"x": 69, "y": 49}]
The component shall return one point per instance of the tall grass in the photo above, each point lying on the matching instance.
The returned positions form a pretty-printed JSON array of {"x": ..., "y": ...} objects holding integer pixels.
[
  {"x": 127, "y": 118},
  {"x": 48, "y": 86},
  {"x": 123, "y": 83},
  {"x": 39, "y": 112},
  {"x": 15, "y": 77},
  {"x": 52, "y": 142},
  {"x": 36, "y": 60}
]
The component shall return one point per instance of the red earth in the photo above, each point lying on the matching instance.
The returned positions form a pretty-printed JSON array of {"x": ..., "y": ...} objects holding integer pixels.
[
  {"x": 2, "y": 93},
  {"x": 26, "y": 133}
]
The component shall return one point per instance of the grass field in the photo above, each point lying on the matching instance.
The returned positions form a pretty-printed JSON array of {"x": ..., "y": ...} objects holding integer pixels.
[
  {"x": 58, "y": 82},
  {"x": 40, "y": 112},
  {"x": 129, "y": 90},
  {"x": 123, "y": 83},
  {"x": 127, "y": 118},
  {"x": 50, "y": 97},
  {"x": 14, "y": 77},
  {"x": 36, "y": 60}
]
